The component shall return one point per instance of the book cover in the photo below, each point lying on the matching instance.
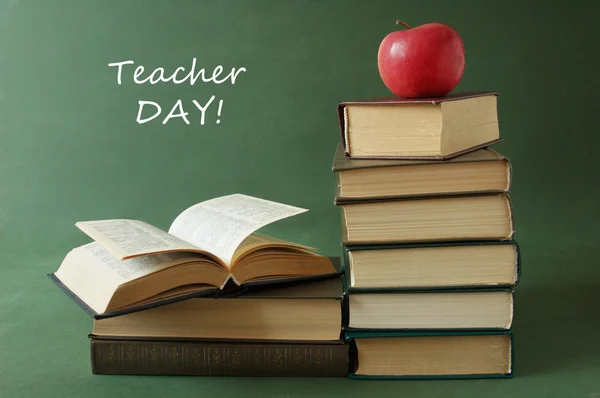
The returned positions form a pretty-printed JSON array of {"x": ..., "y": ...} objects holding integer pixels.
[{"x": 218, "y": 358}]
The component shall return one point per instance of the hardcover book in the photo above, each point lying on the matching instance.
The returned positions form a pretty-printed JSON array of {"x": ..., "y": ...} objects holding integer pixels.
[
  {"x": 481, "y": 171},
  {"x": 432, "y": 355},
  {"x": 309, "y": 311},
  {"x": 485, "y": 217},
  {"x": 213, "y": 244},
  {"x": 218, "y": 358},
  {"x": 477, "y": 309},
  {"x": 447, "y": 265},
  {"x": 422, "y": 128}
]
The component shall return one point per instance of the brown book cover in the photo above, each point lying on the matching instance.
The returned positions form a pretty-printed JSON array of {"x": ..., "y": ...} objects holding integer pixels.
[
  {"x": 341, "y": 162},
  {"x": 399, "y": 101},
  {"x": 218, "y": 358}
]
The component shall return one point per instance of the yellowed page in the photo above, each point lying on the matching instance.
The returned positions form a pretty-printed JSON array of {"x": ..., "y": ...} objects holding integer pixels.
[
  {"x": 220, "y": 225},
  {"x": 93, "y": 274},
  {"x": 86, "y": 276},
  {"x": 137, "y": 267},
  {"x": 131, "y": 238},
  {"x": 256, "y": 241}
]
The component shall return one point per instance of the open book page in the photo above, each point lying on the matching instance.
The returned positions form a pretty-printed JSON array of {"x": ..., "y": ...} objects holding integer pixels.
[
  {"x": 256, "y": 241},
  {"x": 94, "y": 274},
  {"x": 86, "y": 276},
  {"x": 133, "y": 268},
  {"x": 219, "y": 225},
  {"x": 131, "y": 238}
]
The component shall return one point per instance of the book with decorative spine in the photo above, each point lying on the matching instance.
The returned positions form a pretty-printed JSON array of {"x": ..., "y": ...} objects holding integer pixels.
[{"x": 166, "y": 357}]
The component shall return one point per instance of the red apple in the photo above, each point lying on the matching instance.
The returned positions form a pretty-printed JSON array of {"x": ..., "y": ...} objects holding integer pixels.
[{"x": 424, "y": 61}]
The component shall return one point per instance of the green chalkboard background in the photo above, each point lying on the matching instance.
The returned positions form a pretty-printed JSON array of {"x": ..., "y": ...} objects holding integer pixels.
[{"x": 70, "y": 149}]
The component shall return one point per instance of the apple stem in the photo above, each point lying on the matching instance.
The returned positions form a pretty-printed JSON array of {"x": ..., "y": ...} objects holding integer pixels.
[{"x": 399, "y": 22}]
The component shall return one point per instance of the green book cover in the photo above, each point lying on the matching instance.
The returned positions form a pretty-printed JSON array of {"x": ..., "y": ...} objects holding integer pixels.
[{"x": 351, "y": 337}]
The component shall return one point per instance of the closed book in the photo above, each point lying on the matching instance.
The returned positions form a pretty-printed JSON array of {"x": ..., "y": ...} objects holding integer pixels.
[
  {"x": 481, "y": 171},
  {"x": 218, "y": 358},
  {"x": 431, "y": 355},
  {"x": 483, "y": 217},
  {"x": 419, "y": 128},
  {"x": 302, "y": 312},
  {"x": 440, "y": 265},
  {"x": 429, "y": 310}
]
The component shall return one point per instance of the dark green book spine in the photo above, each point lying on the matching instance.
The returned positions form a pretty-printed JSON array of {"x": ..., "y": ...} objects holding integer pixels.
[{"x": 185, "y": 358}]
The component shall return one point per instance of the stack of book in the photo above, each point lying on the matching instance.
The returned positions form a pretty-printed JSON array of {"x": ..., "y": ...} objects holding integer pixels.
[
  {"x": 427, "y": 232},
  {"x": 209, "y": 297}
]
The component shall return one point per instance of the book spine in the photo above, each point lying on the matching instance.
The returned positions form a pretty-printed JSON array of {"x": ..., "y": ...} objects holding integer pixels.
[{"x": 169, "y": 358}]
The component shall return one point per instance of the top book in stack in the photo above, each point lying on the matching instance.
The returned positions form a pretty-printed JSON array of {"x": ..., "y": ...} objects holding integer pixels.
[{"x": 422, "y": 128}]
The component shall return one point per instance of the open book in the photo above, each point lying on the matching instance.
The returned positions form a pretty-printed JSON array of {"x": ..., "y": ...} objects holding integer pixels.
[{"x": 132, "y": 264}]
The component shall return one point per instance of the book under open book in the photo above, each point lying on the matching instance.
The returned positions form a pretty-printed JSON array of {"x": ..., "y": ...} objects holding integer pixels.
[{"x": 133, "y": 265}]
